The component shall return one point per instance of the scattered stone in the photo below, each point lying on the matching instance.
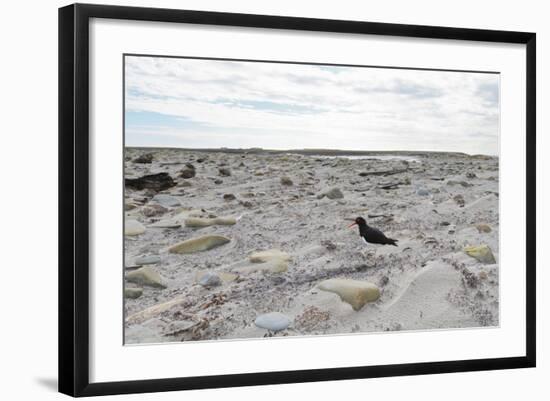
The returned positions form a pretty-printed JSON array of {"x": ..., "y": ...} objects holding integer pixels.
[
  {"x": 273, "y": 321},
  {"x": 269, "y": 255},
  {"x": 147, "y": 260},
  {"x": 384, "y": 280},
  {"x": 471, "y": 175},
  {"x": 145, "y": 158},
  {"x": 133, "y": 293},
  {"x": 483, "y": 228},
  {"x": 229, "y": 197},
  {"x": 286, "y": 181},
  {"x": 166, "y": 200},
  {"x": 354, "y": 292},
  {"x": 217, "y": 181},
  {"x": 445, "y": 223},
  {"x": 153, "y": 209},
  {"x": 206, "y": 222},
  {"x": 483, "y": 275},
  {"x": 247, "y": 204},
  {"x": 459, "y": 199},
  {"x": 187, "y": 173},
  {"x": 331, "y": 193},
  {"x": 481, "y": 253},
  {"x": 224, "y": 172},
  {"x": 146, "y": 276},
  {"x": 199, "y": 244},
  {"x": 210, "y": 279},
  {"x": 461, "y": 183},
  {"x": 156, "y": 182},
  {"x": 133, "y": 227}
]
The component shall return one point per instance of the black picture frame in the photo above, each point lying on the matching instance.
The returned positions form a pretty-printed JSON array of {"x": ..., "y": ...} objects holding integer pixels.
[{"x": 74, "y": 198}]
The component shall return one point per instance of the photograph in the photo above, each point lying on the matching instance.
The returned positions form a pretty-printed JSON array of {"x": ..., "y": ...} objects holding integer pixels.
[{"x": 266, "y": 199}]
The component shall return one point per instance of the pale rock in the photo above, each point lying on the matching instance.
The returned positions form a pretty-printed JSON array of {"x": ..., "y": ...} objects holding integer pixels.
[
  {"x": 354, "y": 292},
  {"x": 273, "y": 321},
  {"x": 269, "y": 255},
  {"x": 209, "y": 279},
  {"x": 133, "y": 227},
  {"x": 331, "y": 193},
  {"x": 272, "y": 266},
  {"x": 166, "y": 200},
  {"x": 146, "y": 276},
  {"x": 481, "y": 253},
  {"x": 133, "y": 293},
  {"x": 206, "y": 222},
  {"x": 147, "y": 260},
  {"x": 199, "y": 244}
]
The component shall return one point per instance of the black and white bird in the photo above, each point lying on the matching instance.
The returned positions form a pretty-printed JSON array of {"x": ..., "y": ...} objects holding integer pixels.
[{"x": 372, "y": 235}]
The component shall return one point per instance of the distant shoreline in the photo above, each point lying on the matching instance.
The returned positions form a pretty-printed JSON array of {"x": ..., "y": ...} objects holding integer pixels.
[{"x": 315, "y": 152}]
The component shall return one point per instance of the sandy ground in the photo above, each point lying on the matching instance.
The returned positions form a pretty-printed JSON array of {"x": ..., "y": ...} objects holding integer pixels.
[{"x": 432, "y": 203}]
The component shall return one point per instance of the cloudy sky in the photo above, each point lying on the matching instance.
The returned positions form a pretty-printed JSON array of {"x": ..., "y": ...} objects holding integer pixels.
[{"x": 211, "y": 103}]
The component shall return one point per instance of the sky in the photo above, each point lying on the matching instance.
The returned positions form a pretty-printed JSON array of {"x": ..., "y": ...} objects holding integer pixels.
[{"x": 192, "y": 103}]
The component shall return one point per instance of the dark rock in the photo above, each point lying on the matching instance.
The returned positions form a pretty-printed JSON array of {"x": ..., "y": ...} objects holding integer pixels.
[
  {"x": 229, "y": 197},
  {"x": 156, "y": 182},
  {"x": 187, "y": 173},
  {"x": 218, "y": 181},
  {"x": 286, "y": 181},
  {"x": 224, "y": 172},
  {"x": 145, "y": 158}
]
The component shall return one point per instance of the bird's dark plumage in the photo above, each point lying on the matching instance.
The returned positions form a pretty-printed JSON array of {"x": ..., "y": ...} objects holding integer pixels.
[{"x": 372, "y": 235}]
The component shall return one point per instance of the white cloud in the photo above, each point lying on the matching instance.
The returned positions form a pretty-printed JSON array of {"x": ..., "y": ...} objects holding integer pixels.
[{"x": 290, "y": 105}]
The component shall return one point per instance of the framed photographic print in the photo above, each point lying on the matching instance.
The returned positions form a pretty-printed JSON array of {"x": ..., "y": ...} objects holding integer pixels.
[{"x": 295, "y": 199}]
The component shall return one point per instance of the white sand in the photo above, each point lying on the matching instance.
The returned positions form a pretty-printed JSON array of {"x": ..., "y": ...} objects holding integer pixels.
[{"x": 426, "y": 282}]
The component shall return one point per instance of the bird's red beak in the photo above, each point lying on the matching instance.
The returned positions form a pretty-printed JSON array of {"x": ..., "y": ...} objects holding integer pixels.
[{"x": 352, "y": 224}]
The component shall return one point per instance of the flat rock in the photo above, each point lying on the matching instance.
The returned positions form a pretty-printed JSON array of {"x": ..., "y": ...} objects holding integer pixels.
[
  {"x": 133, "y": 293},
  {"x": 133, "y": 227},
  {"x": 355, "y": 292},
  {"x": 146, "y": 276},
  {"x": 481, "y": 253},
  {"x": 166, "y": 224},
  {"x": 166, "y": 200},
  {"x": 206, "y": 222},
  {"x": 331, "y": 193},
  {"x": 269, "y": 255},
  {"x": 199, "y": 244},
  {"x": 423, "y": 192},
  {"x": 156, "y": 182},
  {"x": 273, "y": 321},
  {"x": 272, "y": 266},
  {"x": 147, "y": 260}
]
